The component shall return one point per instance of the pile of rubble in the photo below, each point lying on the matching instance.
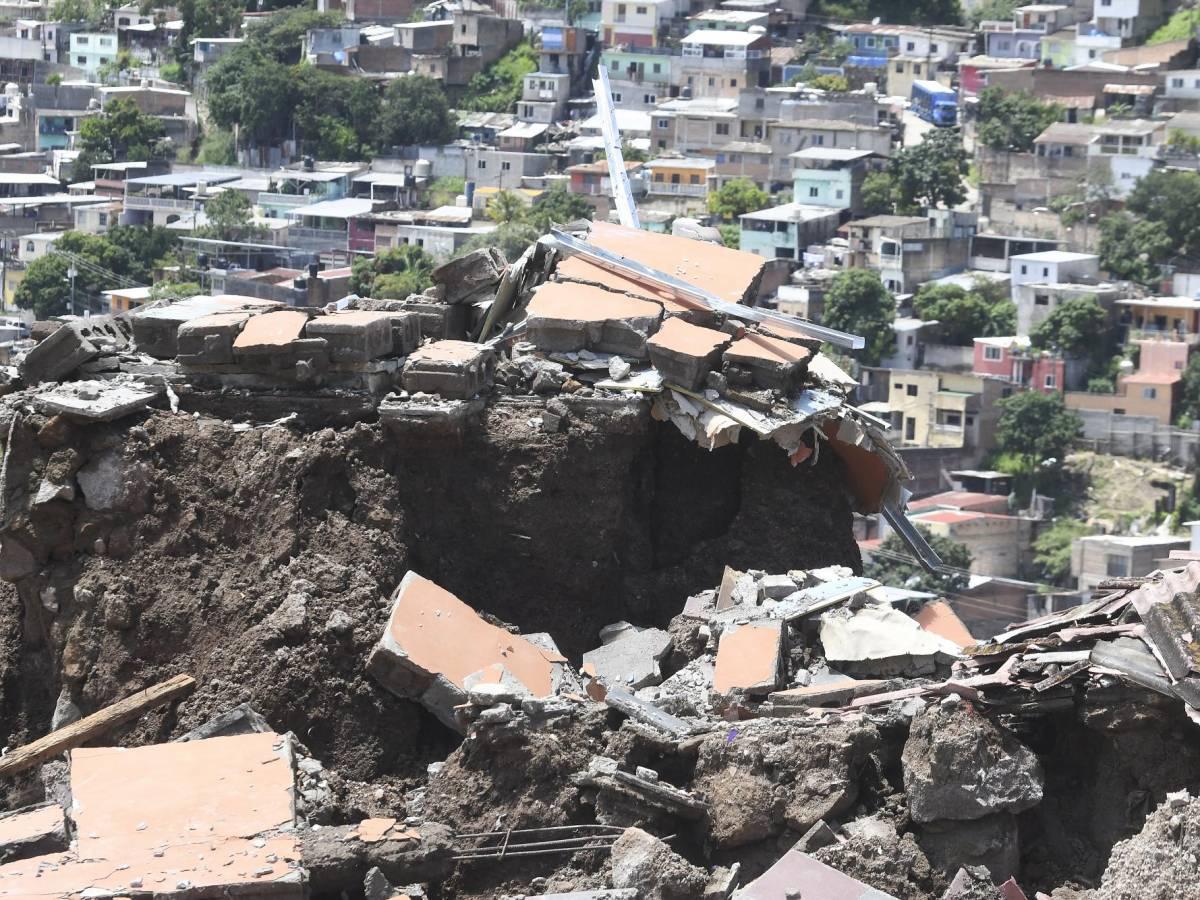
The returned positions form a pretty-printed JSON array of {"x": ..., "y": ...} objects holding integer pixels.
[{"x": 778, "y": 734}]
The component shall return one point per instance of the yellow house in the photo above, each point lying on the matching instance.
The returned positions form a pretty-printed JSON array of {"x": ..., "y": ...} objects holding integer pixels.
[
  {"x": 123, "y": 300},
  {"x": 686, "y": 177},
  {"x": 943, "y": 409},
  {"x": 13, "y": 276}
]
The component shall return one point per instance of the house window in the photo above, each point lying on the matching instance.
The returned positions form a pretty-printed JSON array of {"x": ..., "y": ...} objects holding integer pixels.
[
  {"x": 712, "y": 82},
  {"x": 616, "y": 98},
  {"x": 657, "y": 68},
  {"x": 505, "y": 166},
  {"x": 29, "y": 246},
  {"x": 1116, "y": 566},
  {"x": 1045, "y": 271},
  {"x": 899, "y": 67},
  {"x": 916, "y": 68},
  {"x": 910, "y": 428},
  {"x": 82, "y": 41},
  {"x": 1050, "y": 381},
  {"x": 733, "y": 82},
  {"x": 760, "y": 103},
  {"x": 818, "y": 140},
  {"x": 103, "y": 219},
  {"x": 1024, "y": 270},
  {"x": 911, "y": 390},
  {"x": 649, "y": 98},
  {"x": 949, "y": 418},
  {"x": 693, "y": 179},
  {"x": 897, "y": 387},
  {"x": 910, "y": 46},
  {"x": 1041, "y": 299},
  {"x": 933, "y": 48},
  {"x": 641, "y": 10},
  {"x": 1149, "y": 393},
  {"x": 482, "y": 164},
  {"x": 81, "y": 60},
  {"x": 992, "y": 353},
  {"x": 722, "y": 128},
  {"x": 1177, "y": 82},
  {"x": 814, "y": 192},
  {"x": 664, "y": 123},
  {"x": 840, "y": 194}
]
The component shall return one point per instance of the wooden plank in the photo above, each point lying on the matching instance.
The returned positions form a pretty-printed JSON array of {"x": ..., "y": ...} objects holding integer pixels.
[{"x": 89, "y": 727}]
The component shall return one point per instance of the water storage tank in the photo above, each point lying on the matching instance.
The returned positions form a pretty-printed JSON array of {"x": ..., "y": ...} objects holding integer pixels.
[{"x": 423, "y": 168}]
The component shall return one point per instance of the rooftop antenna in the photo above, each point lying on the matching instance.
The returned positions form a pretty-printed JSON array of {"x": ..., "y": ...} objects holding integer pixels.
[{"x": 622, "y": 194}]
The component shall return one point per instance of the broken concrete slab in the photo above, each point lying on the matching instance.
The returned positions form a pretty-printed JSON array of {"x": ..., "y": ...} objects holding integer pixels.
[
  {"x": 732, "y": 275},
  {"x": 643, "y": 862},
  {"x": 33, "y": 831},
  {"x": 878, "y": 640},
  {"x": 836, "y": 690},
  {"x": 355, "y": 336},
  {"x": 156, "y": 327},
  {"x": 647, "y": 714},
  {"x": 433, "y": 642},
  {"x": 437, "y": 320},
  {"x": 268, "y": 333},
  {"x": 959, "y": 765},
  {"x": 71, "y": 345},
  {"x": 750, "y": 658},
  {"x": 208, "y": 340},
  {"x": 466, "y": 276},
  {"x": 573, "y": 317},
  {"x": 605, "y": 775},
  {"x": 630, "y": 659},
  {"x": 453, "y": 369},
  {"x": 138, "y": 812},
  {"x": 796, "y": 872},
  {"x": 685, "y": 353},
  {"x": 773, "y": 362},
  {"x": 96, "y": 401},
  {"x": 242, "y": 719}
]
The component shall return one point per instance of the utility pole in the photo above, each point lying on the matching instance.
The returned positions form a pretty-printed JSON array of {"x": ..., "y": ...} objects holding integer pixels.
[{"x": 71, "y": 273}]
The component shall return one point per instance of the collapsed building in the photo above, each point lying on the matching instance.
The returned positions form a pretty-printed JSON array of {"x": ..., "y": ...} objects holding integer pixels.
[{"x": 539, "y": 583}]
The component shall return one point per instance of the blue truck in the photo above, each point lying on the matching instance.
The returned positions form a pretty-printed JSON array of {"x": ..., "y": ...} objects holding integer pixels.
[{"x": 935, "y": 103}]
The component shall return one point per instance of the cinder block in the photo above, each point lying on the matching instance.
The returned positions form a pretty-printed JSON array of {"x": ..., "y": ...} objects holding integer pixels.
[
  {"x": 455, "y": 369},
  {"x": 354, "y": 336},
  {"x": 209, "y": 339},
  {"x": 569, "y": 317},
  {"x": 684, "y": 353}
]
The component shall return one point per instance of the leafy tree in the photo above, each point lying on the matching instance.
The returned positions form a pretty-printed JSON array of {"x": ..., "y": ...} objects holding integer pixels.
[
  {"x": 630, "y": 153},
  {"x": 1189, "y": 390},
  {"x": 992, "y": 11},
  {"x": 46, "y": 288},
  {"x": 1052, "y": 550},
  {"x": 513, "y": 239},
  {"x": 931, "y": 173},
  {"x": 1036, "y": 427},
  {"x": 835, "y": 83},
  {"x": 175, "y": 290},
  {"x": 337, "y": 118},
  {"x": 1182, "y": 142},
  {"x": 172, "y": 72},
  {"x": 878, "y": 194},
  {"x": 281, "y": 35},
  {"x": 893, "y": 12},
  {"x": 894, "y": 565},
  {"x": 120, "y": 133},
  {"x": 392, "y": 274},
  {"x": 415, "y": 111},
  {"x": 250, "y": 90},
  {"x": 442, "y": 191},
  {"x": 498, "y": 87},
  {"x": 208, "y": 18},
  {"x": 737, "y": 197},
  {"x": 857, "y": 302},
  {"x": 217, "y": 148},
  {"x": 1172, "y": 197},
  {"x": 1075, "y": 328},
  {"x": 89, "y": 11},
  {"x": 1010, "y": 120},
  {"x": 731, "y": 235},
  {"x": 230, "y": 216},
  {"x": 1180, "y": 27},
  {"x": 505, "y": 207},
  {"x": 148, "y": 245},
  {"x": 1133, "y": 249},
  {"x": 558, "y": 206},
  {"x": 964, "y": 315}
]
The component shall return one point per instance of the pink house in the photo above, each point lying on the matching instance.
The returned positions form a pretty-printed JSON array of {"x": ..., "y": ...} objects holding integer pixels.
[{"x": 1011, "y": 359}]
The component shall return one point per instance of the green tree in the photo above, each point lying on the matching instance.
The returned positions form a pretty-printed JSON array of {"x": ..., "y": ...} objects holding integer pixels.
[
  {"x": 1052, "y": 550},
  {"x": 1189, "y": 389},
  {"x": 443, "y": 191},
  {"x": 1180, "y": 27},
  {"x": 1036, "y": 427},
  {"x": 879, "y": 194},
  {"x": 513, "y": 239},
  {"x": 217, "y": 148},
  {"x": 931, "y": 173},
  {"x": 1010, "y": 120},
  {"x": 992, "y": 11},
  {"x": 281, "y": 34},
  {"x": 1171, "y": 197},
  {"x": 120, "y": 133},
  {"x": 415, "y": 111},
  {"x": 505, "y": 207},
  {"x": 89, "y": 11},
  {"x": 251, "y": 91},
  {"x": 46, "y": 288},
  {"x": 392, "y": 274},
  {"x": 175, "y": 290},
  {"x": 857, "y": 302},
  {"x": 208, "y": 18},
  {"x": 1134, "y": 249},
  {"x": 731, "y": 235},
  {"x": 964, "y": 315},
  {"x": 1077, "y": 327},
  {"x": 894, "y": 565},
  {"x": 737, "y": 197},
  {"x": 558, "y": 206},
  {"x": 172, "y": 72},
  {"x": 147, "y": 245},
  {"x": 835, "y": 83},
  {"x": 230, "y": 218},
  {"x": 498, "y": 87}
]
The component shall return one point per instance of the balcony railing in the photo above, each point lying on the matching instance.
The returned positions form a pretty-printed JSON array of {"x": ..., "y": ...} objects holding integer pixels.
[
  {"x": 315, "y": 238},
  {"x": 136, "y": 201},
  {"x": 683, "y": 190},
  {"x": 1161, "y": 334},
  {"x": 289, "y": 201}
]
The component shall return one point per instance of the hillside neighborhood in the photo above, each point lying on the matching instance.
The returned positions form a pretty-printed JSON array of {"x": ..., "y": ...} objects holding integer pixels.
[{"x": 661, "y": 448}]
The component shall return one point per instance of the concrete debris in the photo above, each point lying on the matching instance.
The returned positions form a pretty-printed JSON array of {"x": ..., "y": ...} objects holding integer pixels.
[
  {"x": 959, "y": 765},
  {"x": 750, "y": 658},
  {"x": 643, "y": 788},
  {"x": 98, "y": 401},
  {"x": 35, "y": 831},
  {"x": 646, "y": 864},
  {"x": 72, "y": 344},
  {"x": 878, "y": 640},
  {"x": 797, "y": 870},
  {"x": 455, "y": 369},
  {"x": 630, "y": 658},
  {"x": 434, "y": 643}
]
